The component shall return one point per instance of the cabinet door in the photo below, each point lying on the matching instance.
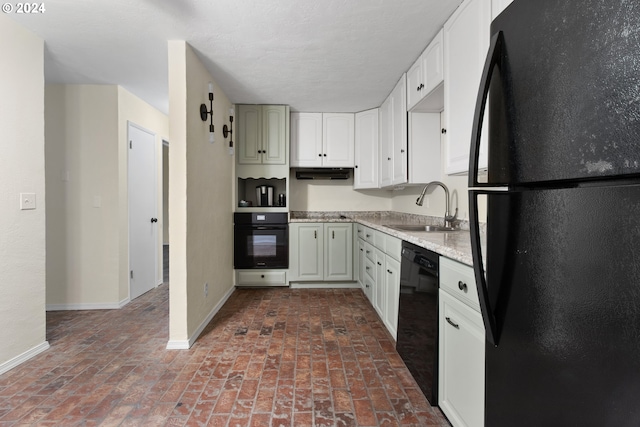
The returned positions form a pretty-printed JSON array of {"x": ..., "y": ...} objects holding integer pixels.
[
  {"x": 386, "y": 143},
  {"x": 399, "y": 126},
  {"x": 415, "y": 83},
  {"x": 274, "y": 135},
  {"x": 338, "y": 251},
  {"x": 249, "y": 135},
  {"x": 365, "y": 174},
  {"x": 380, "y": 287},
  {"x": 338, "y": 140},
  {"x": 466, "y": 41},
  {"x": 392, "y": 295},
  {"x": 306, "y": 140},
  {"x": 432, "y": 64},
  {"x": 307, "y": 256},
  {"x": 461, "y": 362}
]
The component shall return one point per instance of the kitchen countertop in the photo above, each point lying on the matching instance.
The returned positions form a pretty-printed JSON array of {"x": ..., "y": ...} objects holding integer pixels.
[{"x": 455, "y": 245}]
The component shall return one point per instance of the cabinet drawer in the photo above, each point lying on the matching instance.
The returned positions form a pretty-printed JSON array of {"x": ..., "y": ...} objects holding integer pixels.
[
  {"x": 369, "y": 251},
  {"x": 458, "y": 279},
  {"x": 262, "y": 278},
  {"x": 360, "y": 231},
  {"x": 379, "y": 240},
  {"x": 393, "y": 247},
  {"x": 368, "y": 235},
  {"x": 370, "y": 266}
]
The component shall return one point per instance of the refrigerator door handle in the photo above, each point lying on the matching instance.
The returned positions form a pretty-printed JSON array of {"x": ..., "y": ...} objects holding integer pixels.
[
  {"x": 493, "y": 57},
  {"x": 488, "y": 316}
]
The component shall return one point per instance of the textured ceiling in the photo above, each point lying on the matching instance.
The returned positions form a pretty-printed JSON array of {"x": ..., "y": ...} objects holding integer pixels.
[{"x": 314, "y": 55}]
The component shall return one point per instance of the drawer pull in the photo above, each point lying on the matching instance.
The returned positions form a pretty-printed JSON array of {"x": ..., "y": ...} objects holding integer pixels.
[
  {"x": 389, "y": 271},
  {"x": 366, "y": 285},
  {"x": 379, "y": 263},
  {"x": 368, "y": 252},
  {"x": 462, "y": 286},
  {"x": 368, "y": 235},
  {"x": 455, "y": 325},
  {"x": 262, "y": 276},
  {"x": 368, "y": 268}
]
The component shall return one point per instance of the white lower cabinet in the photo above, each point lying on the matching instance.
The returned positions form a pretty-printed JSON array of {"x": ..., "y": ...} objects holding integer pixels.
[
  {"x": 379, "y": 273},
  {"x": 320, "y": 252},
  {"x": 392, "y": 292},
  {"x": 461, "y": 350}
]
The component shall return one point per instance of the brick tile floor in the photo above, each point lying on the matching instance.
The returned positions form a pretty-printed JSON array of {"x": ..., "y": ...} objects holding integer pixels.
[{"x": 270, "y": 357}]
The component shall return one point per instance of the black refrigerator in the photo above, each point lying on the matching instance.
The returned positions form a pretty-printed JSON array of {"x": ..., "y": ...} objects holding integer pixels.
[{"x": 559, "y": 283}]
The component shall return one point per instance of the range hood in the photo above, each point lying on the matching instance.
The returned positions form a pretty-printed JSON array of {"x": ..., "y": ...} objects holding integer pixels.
[{"x": 323, "y": 173}]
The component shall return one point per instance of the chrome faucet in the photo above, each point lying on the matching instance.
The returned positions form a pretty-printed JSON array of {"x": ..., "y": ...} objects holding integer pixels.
[{"x": 448, "y": 219}]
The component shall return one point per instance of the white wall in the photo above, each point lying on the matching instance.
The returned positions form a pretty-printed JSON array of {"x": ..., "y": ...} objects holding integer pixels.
[
  {"x": 335, "y": 195},
  {"x": 82, "y": 165},
  {"x": 87, "y": 222},
  {"x": 200, "y": 198},
  {"x": 22, "y": 232}
]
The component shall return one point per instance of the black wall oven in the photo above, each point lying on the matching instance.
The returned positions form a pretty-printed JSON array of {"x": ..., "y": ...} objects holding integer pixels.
[{"x": 261, "y": 240}]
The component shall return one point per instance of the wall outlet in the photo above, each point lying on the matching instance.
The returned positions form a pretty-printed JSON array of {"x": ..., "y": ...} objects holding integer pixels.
[
  {"x": 27, "y": 201},
  {"x": 206, "y": 289}
]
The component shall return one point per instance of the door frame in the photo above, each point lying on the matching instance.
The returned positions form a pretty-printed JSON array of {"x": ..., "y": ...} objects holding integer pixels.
[{"x": 155, "y": 204}]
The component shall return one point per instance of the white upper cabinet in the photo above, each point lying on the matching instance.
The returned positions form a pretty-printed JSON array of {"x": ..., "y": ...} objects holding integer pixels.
[
  {"x": 365, "y": 173},
  {"x": 393, "y": 136},
  {"x": 322, "y": 140},
  {"x": 497, "y": 6},
  {"x": 399, "y": 113},
  {"x": 338, "y": 135},
  {"x": 262, "y": 134},
  {"x": 424, "y": 76},
  {"x": 466, "y": 41},
  {"x": 386, "y": 143},
  {"x": 306, "y": 139}
]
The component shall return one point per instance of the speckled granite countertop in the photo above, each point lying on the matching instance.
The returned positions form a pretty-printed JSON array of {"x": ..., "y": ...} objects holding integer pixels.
[{"x": 455, "y": 245}]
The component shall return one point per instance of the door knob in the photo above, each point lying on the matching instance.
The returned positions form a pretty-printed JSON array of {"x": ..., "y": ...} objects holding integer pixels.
[{"x": 154, "y": 220}]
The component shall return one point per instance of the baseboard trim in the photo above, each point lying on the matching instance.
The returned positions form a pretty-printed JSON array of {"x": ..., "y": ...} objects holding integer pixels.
[
  {"x": 21, "y": 358},
  {"x": 124, "y": 302},
  {"x": 186, "y": 344},
  {"x": 87, "y": 306},
  {"x": 324, "y": 285}
]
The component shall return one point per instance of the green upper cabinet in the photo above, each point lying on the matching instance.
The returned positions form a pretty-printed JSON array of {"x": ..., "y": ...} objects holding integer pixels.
[{"x": 262, "y": 134}]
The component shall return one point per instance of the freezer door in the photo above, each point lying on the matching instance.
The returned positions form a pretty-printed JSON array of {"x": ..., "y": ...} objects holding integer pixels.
[
  {"x": 563, "y": 282},
  {"x": 564, "y": 100}
]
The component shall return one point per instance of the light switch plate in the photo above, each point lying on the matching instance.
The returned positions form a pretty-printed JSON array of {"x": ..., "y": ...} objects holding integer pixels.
[{"x": 27, "y": 201}]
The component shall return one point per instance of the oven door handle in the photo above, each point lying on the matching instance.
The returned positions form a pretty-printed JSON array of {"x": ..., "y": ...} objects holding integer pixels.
[{"x": 275, "y": 227}]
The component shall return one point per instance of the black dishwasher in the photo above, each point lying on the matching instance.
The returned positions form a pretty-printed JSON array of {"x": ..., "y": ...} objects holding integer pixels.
[{"x": 417, "y": 341}]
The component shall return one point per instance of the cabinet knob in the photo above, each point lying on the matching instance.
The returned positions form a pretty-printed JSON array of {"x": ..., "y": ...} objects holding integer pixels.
[
  {"x": 388, "y": 158},
  {"x": 402, "y": 150},
  {"x": 379, "y": 264},
  {"x": 324, "y": 155},
  {"x": 421, "y": 86},
  {"x": 262, "y": 275},
  {"x": 444, "y": 130},
  {"x": 462, "y": 286},
  {"x": 418, "y": 88},
  {"x": 356, "y": 166},
  {"x": 361, "y": 250},
  {"x": 368, "y": 253},
  {"x": 320, "y": 155},
  {"x": 389, "y": 271},
  {"x": 368, "y": 268}
]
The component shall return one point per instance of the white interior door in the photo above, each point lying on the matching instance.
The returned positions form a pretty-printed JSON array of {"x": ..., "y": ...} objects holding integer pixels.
[{"x": 143, "y": 218}]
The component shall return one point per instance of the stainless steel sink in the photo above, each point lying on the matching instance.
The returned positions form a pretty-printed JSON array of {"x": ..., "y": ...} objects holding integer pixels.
[{"x": 416, "y": 227}]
